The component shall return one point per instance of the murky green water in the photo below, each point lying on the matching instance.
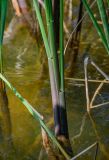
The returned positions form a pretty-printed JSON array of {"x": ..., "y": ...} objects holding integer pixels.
[{"x": 24, "y": 67}]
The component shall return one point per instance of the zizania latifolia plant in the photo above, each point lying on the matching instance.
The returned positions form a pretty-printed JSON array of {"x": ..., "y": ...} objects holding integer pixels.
[
  {"x": 56, "y": 70},
  {"x": 56, "y": 65},
  {"x": 55, "y": 57}
]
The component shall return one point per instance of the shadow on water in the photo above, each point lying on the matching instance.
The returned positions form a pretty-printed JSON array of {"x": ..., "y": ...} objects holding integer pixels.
[
  {"x": 102, "y": 137},
  {"x": 6, "y": 143}
]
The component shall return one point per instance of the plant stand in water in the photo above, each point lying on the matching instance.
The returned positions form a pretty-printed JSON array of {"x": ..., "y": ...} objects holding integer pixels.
[
  {"x": 56, "y": 69},
  {"x": 54, "y": 44}
]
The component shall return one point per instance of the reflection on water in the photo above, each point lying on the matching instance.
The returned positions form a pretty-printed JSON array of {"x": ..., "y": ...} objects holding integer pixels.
[
  {"x": 20, "y": 62},
  {"x": 24, "y": 68},
  {"x": 6, "y": 143}
]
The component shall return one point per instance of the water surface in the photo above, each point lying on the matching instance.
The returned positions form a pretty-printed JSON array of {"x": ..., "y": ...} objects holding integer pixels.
[{"x": 25, "y": 66}]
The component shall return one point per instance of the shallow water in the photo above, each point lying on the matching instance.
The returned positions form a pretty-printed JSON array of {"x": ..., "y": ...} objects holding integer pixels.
[{"x": 23, "y": 68}]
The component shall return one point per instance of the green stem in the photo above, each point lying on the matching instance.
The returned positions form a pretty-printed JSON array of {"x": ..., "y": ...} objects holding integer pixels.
[
  {"x": 3, "y": 10},
  {"x": 56, "y": 13},
  {"x": 104, "y": 18},
  {"x": 50, "y": 26},
  {"x": 63, "y": 113},
  {"x": 61, "y": 47},
  {"x": 36, "y": 6},
  {"x": 100, "y": 32},
  {"x": 58, "y": 96},
  {"x": 53, "y": 70}
]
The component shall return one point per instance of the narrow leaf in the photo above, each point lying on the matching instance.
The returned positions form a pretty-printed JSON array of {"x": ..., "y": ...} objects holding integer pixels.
[
  {"x": 3, "y": 9},
  {"x": 99, "y": 30},
  {"x": 35, "y": 114}
]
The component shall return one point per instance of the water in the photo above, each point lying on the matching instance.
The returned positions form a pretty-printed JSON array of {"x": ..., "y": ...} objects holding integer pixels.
[{"x": 24, "y": 66}]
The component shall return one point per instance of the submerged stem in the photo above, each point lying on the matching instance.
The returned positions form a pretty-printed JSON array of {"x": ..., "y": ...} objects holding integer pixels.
[{"x": 55, "y": 99}]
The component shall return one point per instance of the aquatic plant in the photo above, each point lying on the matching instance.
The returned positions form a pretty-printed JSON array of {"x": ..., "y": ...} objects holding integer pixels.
[
  {"x": 104, "y": 36},
  {"x": 54, "y": 77},
  {"x": 56, "y": 65}
]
